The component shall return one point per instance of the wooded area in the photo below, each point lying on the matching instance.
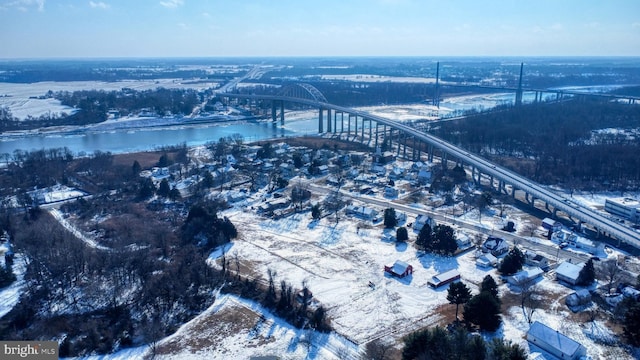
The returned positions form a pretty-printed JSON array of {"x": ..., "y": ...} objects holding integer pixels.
[{"x": 557, "y": 143}]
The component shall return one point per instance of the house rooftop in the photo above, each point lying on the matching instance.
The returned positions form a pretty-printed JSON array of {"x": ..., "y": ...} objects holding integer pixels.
[
  {"x": 553, "y": 339},
  {"x": 399, "y": 267},
  {"x": 569, "y": 270}
]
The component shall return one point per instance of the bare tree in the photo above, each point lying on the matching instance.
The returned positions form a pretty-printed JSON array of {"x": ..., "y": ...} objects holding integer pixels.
[
  {"x": 377, "y": 350},
  {"x": 333, "y": 203},
  {"x": 612, "y": 272},
  {"x": 529, "y": 301}
]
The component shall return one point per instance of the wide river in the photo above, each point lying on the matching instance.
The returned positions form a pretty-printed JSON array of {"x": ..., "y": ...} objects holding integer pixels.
[{"x": 124, "y": 140}]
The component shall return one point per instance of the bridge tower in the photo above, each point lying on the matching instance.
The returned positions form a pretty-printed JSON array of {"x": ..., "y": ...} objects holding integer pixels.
[
  {"x": 436, "y": 91},
  {"x": 519, "y": 91}
]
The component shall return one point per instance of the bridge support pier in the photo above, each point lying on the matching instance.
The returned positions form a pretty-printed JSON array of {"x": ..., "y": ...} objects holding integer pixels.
[{"x": 320, "y": 121}]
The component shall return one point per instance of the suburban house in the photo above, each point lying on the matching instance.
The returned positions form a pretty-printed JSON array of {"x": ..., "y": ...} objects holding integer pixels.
[
  {"x": 421, "y": 220},
  {"x": 564, "y": 236},
  {"x": 396, "y": 173},
  {"x": 532, "y": 258},
  {"x": 379, "y": 170},
  {"x": 568, "y": 272},
  {"x": 390, "y": 192},
  {"x": 399, "y": 269},
  {"x": 495, "y": 245},
  {"x": 444, "y": 278},
  {"x": 555, "y": 343},
  {"x": 386, "y": 157},
  {"x": 629, "y": 291},
  {"x": 273, "y": 205},
  {"x": 580, "y": 297},
  {"x": 525, "y": 276},
  {"x": 462, "y": 240},
  {"x": 586, "y": 244},
  {"x": 362, "y": 212},
  {"x": 486, "y": 260}
]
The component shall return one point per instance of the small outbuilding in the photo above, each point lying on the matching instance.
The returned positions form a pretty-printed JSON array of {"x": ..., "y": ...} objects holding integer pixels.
[
  {"x": 399, "y": 269},
  {"x": 486, "y": 260},
  {"x": 444, "y": 278},
  {"x": 578, "y": 298},
  {"x": 554, "y": 342}
]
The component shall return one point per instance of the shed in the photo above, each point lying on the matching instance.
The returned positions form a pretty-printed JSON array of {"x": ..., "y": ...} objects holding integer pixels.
[
  {"x": 399, "y": 268},
  {"x": 580, "y": 297},
  {"x": 486, "y": 260},
  {"x": 555, "y": 343},
  {"x": 568, "y": 272},
  {"x": 444, "y": 278}
]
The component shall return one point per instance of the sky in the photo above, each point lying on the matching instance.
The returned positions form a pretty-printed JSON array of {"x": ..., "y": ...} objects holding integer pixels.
[{"x": 230, "y": 28}]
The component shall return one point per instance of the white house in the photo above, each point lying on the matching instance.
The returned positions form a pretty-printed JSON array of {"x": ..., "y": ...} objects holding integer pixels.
[
  {"x": 486, "y": 260},
  {"x": 362, "y": 212},
  {"x": 462, "y": 240},
  {"x": 524, "y": 276},
  {"x": 421, "y": 220},
  {"x": 554, "y": 342},
  {"x": 495, "y": 245},
  {"x": 532, "y": 258},
  {"x": 390, "y": 192},
  {"x": 568, "y": 272}
]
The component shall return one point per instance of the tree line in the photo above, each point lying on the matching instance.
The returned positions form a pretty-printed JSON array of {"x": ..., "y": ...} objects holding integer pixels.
[{"x": 554, "y": 143}]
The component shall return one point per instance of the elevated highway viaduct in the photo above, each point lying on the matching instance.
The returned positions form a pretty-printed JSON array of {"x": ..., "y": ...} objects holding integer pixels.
[{"x": 410, "y": 143}]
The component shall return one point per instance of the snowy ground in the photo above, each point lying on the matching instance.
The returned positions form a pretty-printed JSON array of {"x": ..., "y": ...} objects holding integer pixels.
[
  {"x": 338, "y": 261},
  {"x": 19, "y": 97},
  {"x": 10, "y": 295}
]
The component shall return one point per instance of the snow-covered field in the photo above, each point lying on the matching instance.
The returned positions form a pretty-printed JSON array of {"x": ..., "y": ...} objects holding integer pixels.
[
  {"x": 338, "y": 262},
  {"x": 23, "y": 101}
]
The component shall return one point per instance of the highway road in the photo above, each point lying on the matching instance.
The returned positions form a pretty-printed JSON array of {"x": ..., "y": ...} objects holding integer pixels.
[{"x": 552, "y": 251}]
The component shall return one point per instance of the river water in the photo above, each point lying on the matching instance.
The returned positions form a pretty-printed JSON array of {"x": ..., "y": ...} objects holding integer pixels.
[{"x": 124, "y": 140}]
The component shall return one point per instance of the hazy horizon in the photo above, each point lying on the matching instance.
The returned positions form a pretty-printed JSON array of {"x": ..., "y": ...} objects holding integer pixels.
[{"x": 60, "y": 29}]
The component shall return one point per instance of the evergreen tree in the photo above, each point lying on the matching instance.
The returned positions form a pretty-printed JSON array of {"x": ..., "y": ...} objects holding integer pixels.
[
  {"x": 587, "y": 275},
  {"x": 390, "y": 219},
  {"x": 174, "y": 194},
  {"x": 631, "y": 324},
  {"x": 164, "y": 161},
  {"x": 483, "y": 310},
  {"x": 445, "y": 240},
  {"x": 316, "y": 212},
  {"x": 512, "y": 263},
  {"x": 163, "y": 189},
  {"x": 489, "y": 285},
  {"x": 402, "y": 234},
  {"x": 7, "y": 277},
  {"x": 136, "y": 168},
  {"x": 505, "y": 350},
  {"x": 425, "y": 238},
  {"x": 146, "y": 188},
  {"x": 458, "y": 293}
]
